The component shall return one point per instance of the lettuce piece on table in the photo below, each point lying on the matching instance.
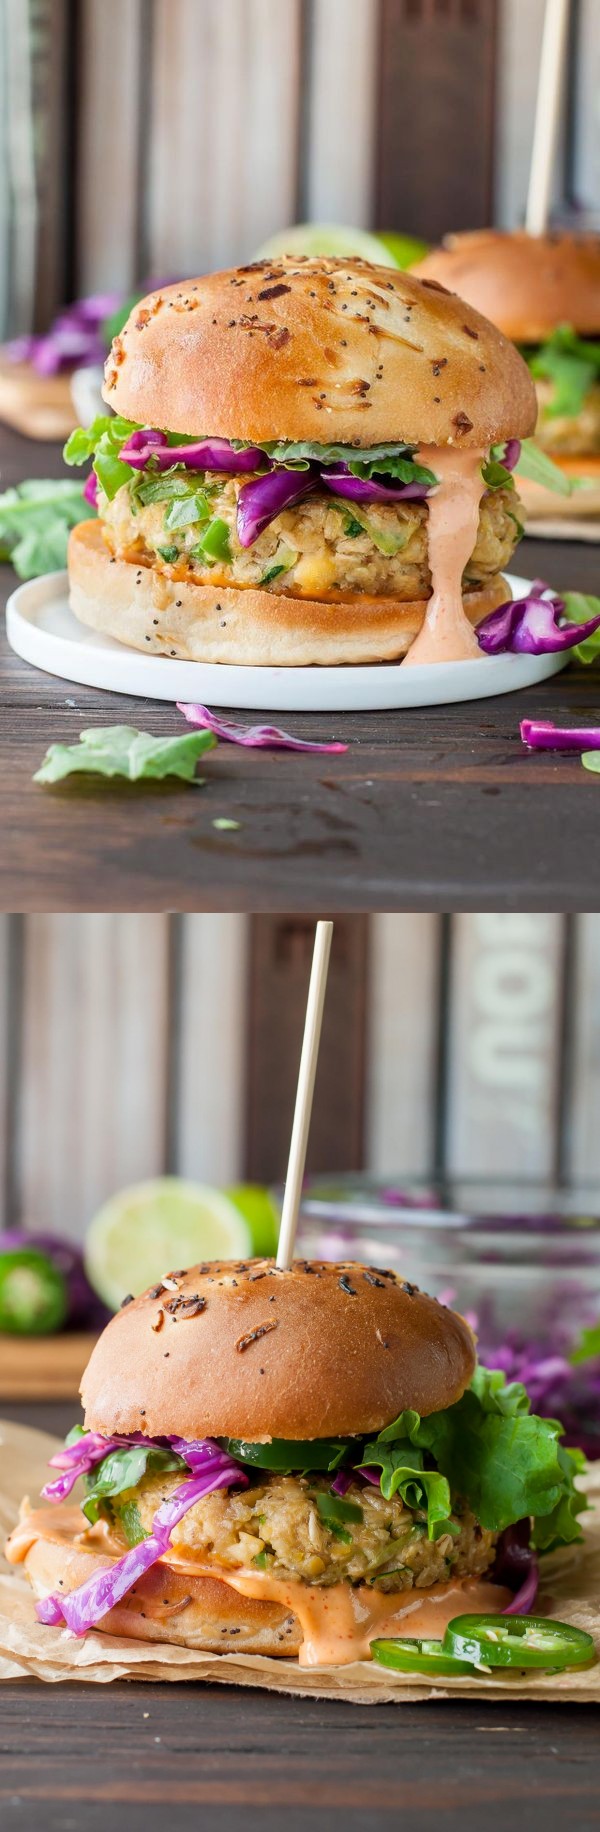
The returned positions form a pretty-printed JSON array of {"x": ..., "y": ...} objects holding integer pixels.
[
  {"x": 35, "y": 518},
  {"x": 120, "y": 750}
]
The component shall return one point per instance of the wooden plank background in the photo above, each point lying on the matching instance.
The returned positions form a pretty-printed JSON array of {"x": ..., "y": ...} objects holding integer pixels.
[
  {"x": 466, "y": 1047},
  {"x": 141, "y": 139}
]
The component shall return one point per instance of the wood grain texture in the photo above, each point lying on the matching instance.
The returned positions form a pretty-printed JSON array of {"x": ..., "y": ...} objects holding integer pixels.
[
  {"x": 225, "y": 91},
  {"x": 211, "y": 1066},
  {"x": 519, "y": 44},
  {"x": 94, "y": 1061},
  {"x": 504, "y": 1031},
  {"x": 403, "y": 1028},
  {"x": 436, "y": 115},
  {"x": 44, "y": 1367},
  {"x": 582, "y": 1129},
  {"x": 5, "y": 1063},
  {"x": 433, "y": 809},
  {"x": 279, "y": 971},
  {"x": 340, "y": 111},
  {"x": 109, "y": 174}
]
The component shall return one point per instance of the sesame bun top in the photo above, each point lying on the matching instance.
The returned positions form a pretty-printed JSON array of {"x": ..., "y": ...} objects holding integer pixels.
[
  {"x": 320, "y": 350},
  {"x": 528, "y": 284},
  {"x": 243, "y": 1350}
]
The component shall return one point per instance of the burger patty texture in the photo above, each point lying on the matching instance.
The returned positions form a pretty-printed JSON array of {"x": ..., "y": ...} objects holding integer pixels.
[
  {"x": 276, "y": 1525},
  {"x": 317, "y": 548},
  {"x": 576, "y": 435}
]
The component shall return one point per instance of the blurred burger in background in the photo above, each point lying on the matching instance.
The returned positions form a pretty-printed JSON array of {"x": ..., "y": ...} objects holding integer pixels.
[{"x": 543, "y": 291}]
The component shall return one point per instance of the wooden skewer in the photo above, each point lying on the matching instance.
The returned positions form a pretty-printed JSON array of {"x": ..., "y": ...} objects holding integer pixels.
[
  {"x": 547, "y": 115},
  {"x": 304, "y": 1095}
]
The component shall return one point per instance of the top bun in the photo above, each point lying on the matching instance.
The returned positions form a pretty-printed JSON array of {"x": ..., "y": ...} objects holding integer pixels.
[
  {"x": 323, "y": 1350},
  {"x": 321, "y": 350},
  {"x": 526, "y": 283}
]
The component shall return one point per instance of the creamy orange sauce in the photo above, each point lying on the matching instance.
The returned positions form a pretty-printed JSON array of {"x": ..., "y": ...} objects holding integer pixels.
[
  {"x": 338, "y": 1621},
  {"x": 59, "y": 1524},
  {"x": 453, "y": 519}
]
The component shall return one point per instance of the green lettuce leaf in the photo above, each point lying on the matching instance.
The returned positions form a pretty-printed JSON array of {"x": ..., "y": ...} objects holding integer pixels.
[
  {"x": 578, "y": 607},
  {"x": 403, "y": 1472},
  {"x": 35, "y": 518},
  {"x": 505, "y": 1461},
  {"x": 538, "y": 467},
  {"x": 495, "y": 473},
  {"x": 391, "y": 460},
  {"x": 572, "y": 364},
  {"x": 123, "y": 1469},
  {"x": 588, "y": 1346},
  {"x": 120, "y": 750},
  {"x": 102, "y": 442}
]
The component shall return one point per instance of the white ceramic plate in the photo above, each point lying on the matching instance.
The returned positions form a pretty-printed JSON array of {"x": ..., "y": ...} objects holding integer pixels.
[{"x": 42, "y": 630}]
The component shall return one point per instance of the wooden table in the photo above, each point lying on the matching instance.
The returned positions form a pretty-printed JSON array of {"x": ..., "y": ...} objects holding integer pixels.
[
  {"x": 134, "y": 1757},
  {"x": 431, "y": 809}
]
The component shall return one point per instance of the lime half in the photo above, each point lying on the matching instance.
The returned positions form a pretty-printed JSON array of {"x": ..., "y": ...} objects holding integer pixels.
[
  {"x": 153, "y": 1228},
  {"x": 387, "y": 249},
  {"x": 256, "y": 1205}
]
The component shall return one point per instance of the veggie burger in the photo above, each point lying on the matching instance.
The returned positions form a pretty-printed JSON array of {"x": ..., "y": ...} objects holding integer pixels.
[
  {"x": 310, "y": 461},
  {"x": 544, "y": 292},
  {"x": 292, "y": 1463}
]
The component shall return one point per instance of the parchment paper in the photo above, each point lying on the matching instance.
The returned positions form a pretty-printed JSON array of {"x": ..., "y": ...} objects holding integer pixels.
[{"x": 570, "y": 1591}]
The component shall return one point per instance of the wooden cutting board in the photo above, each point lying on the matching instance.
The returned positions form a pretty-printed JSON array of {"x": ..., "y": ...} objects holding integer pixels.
[
  {"x": 43, "y": 1367},
  {"x": 38, "y": 405}
]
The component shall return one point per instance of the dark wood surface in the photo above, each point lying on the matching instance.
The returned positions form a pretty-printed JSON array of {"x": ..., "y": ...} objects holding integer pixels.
[
  {"x": 137, "y": 1757},
  {"x": 438, "y": 808}
]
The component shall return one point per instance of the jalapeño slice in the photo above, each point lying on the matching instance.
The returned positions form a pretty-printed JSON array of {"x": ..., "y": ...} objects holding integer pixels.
[
  {"x": 285, "y": 1454},
  {"x": 518, "y": 1641},
  {"x": 408, "y": 1655}
]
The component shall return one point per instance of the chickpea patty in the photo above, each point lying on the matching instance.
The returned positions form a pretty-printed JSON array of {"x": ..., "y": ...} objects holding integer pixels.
[
  {"x": 276, "y": 1523},
  {"x": 317, "y": 549}
]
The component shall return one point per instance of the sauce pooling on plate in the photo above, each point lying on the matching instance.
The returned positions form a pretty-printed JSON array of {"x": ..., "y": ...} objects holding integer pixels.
[{"x": 453, "y": 509}]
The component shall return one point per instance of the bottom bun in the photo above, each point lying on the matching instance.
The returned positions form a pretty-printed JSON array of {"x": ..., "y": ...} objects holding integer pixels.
[
  {"x": 145, "y": 609},
  {"x": 169, "y": 1605},
  {"x": 541, "y": 504}
]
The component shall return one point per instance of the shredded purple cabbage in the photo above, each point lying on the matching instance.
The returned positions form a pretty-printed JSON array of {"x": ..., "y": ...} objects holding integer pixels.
[
  {"x": 90, "y": 489},
  {"x": 542, "y": 735},
  {"x": 516, "y": 1566},
  {"x": 75, "y": 337},
  {"x": 342, "y": 1482},
  {"x": 148, "y": 446},
  {"x": 260, "y": 501},
  {"x": 77, "y": 1460},
  {"x": 82, "y": 1608},
  {"x": 369, "y": 489},
  {"x": 511, "y": 454},
  {"x": 531, "y": 626},
  {"x": 254, "y": 737}
]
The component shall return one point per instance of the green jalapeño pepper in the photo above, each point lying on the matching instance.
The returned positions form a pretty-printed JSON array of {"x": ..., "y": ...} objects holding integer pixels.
[
  {"x": 518, "y": 1641},
  {"x": 33, "y": 1294},
  {"x": 406, "y": 1655}
]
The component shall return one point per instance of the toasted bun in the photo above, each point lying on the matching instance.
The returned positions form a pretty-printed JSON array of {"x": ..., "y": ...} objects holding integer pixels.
[
  {"x": 322, "y": 1350},
  {"x": 541, "y": 504},
  {"x": 320, "y": 350},
  {"x": 212, "y": 623},
  {"x": 170, "y": 1605},
  {"x": 527, "y": 284}
]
